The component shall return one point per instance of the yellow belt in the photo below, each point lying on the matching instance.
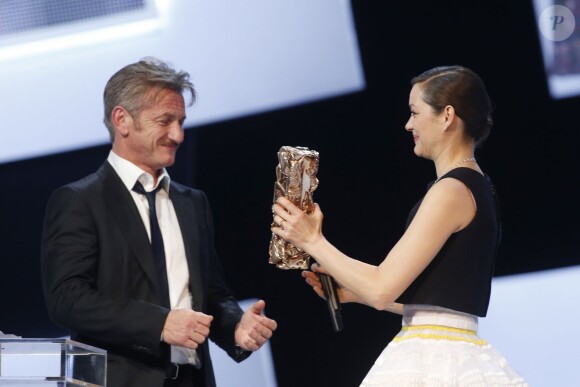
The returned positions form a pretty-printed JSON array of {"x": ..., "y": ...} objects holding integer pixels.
[{"x": 436, "y": 336}]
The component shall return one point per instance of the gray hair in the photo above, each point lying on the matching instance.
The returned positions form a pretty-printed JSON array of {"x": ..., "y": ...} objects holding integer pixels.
[{"x": 130, "y": 86}]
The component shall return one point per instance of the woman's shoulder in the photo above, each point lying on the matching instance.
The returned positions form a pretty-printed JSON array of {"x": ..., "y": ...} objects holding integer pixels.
[
  {"x": 472, "y": 178},
  {"x": 447, "y": 195},
  {"x": 465, "y": 173},
  {"x": 457, "y": 179}
]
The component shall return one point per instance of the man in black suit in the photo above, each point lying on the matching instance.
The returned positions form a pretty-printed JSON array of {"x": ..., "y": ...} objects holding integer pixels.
[{"x": 101, "y": 267}]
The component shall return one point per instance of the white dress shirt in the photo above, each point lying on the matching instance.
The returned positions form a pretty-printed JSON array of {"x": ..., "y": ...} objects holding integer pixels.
[{"x": 176, "y": 261}]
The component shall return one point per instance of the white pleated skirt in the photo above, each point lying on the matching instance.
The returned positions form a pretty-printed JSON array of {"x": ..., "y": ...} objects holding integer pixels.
[{"x": 439, "y": 347}]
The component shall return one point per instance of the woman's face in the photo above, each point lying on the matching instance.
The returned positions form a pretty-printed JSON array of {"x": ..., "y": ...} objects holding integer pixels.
[{"x": 423, "y": 124}]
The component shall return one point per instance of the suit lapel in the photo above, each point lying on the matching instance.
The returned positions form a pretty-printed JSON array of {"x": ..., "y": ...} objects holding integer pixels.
[
  {"x": 124, "y": 211},
  {"x": 188, "y": 223}
]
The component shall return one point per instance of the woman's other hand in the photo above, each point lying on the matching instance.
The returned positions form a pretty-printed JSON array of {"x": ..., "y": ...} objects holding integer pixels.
[{"x": 312, "y": 278}]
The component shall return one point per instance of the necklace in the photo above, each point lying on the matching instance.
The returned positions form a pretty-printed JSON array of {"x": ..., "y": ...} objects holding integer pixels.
[{"x": 455, "y": 166}]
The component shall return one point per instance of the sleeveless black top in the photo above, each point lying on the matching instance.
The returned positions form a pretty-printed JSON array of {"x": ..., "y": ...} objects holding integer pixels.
[{"x": 459, "y": 277}]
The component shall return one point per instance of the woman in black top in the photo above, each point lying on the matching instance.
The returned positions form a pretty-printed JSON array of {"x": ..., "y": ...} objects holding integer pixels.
[{"x": 438, "y": 275}]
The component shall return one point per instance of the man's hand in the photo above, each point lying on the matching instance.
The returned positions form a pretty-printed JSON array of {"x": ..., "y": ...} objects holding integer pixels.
[
  {"x": 254, "y": 329},
  {"x": 186, "y": 328}
]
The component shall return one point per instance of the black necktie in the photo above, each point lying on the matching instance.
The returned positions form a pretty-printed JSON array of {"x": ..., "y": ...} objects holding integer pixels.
[{"x": 156, "y": 239}]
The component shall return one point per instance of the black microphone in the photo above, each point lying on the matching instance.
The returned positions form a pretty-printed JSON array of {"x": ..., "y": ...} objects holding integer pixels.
[{"x": 329, "y": 287}]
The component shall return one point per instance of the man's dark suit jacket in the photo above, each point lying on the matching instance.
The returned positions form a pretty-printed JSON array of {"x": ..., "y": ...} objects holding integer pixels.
[{"x": 100, "y": 281}]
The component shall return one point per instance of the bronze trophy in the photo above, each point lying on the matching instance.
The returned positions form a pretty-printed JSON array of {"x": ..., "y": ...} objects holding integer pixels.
[{"x": 296, "y": 181}]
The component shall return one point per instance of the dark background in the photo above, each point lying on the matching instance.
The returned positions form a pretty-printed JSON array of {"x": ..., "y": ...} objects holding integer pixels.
[{"x": 369, "y": 179}]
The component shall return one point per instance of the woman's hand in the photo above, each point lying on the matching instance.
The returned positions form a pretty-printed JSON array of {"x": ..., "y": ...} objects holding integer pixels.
[
  {"x": 295, "y": 226},
  {"x": 313, "y": 279}
]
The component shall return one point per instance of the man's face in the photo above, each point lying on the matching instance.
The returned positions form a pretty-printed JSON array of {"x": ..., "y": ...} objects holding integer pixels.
[{"x": 156, "y": 132}]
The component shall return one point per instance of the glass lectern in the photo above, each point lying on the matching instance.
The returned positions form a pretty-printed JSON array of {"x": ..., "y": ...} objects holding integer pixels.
[{"x": 51, "y": 362}]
